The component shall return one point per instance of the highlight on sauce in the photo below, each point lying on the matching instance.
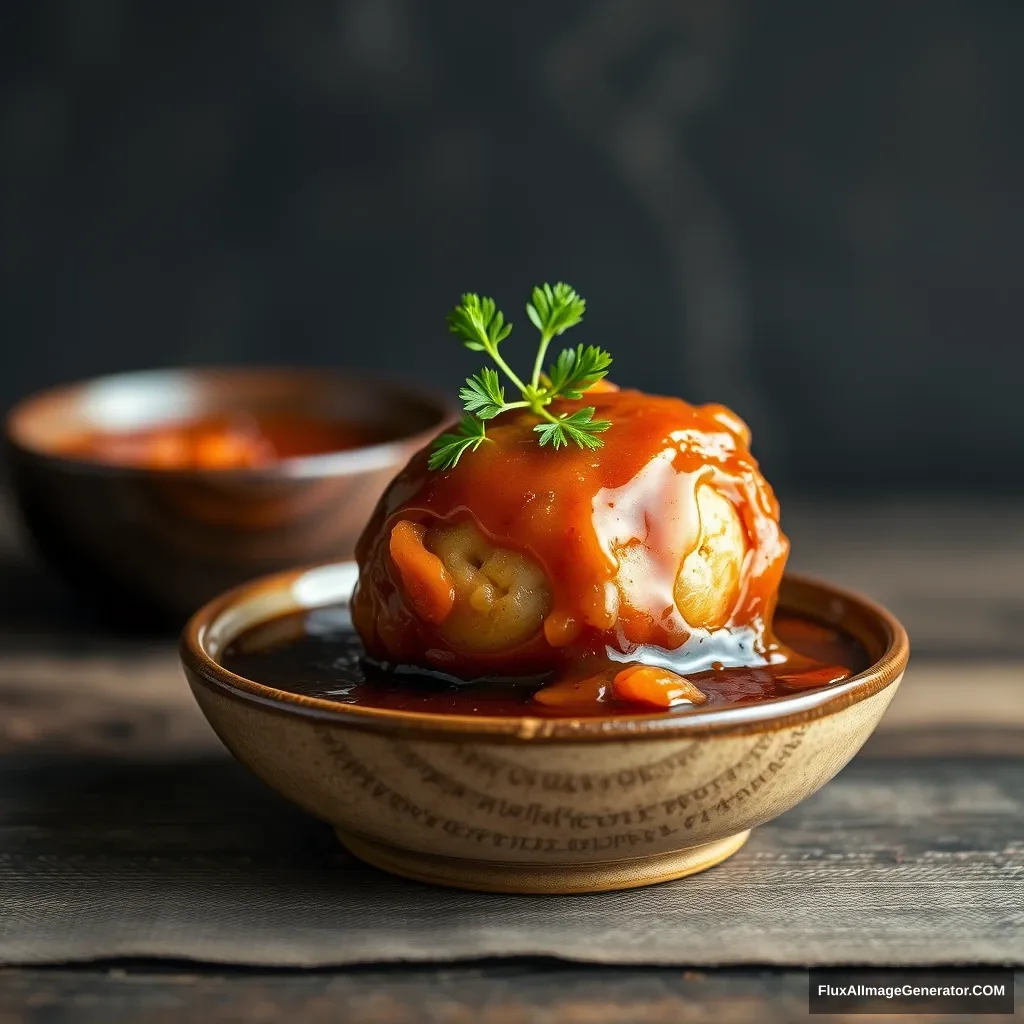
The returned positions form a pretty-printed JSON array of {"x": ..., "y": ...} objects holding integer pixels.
[
  {"x": 631, "y": 576},
  {"x": 236, "y": 441}
]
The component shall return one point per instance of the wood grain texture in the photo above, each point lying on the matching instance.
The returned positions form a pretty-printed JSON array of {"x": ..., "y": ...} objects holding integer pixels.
[
  {"x": 951, "y": 571},
  {"x": 530, "y": 992},
  {"x": 518, "y": 992},
  {"x": 893, "y": 862}
]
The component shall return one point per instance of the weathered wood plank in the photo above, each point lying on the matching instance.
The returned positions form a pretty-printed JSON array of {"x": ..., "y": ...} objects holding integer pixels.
[
  {"x": 524, "y": 992},
  {"x": 893, "y": 862},
  {"x": 516, "y": 993}
]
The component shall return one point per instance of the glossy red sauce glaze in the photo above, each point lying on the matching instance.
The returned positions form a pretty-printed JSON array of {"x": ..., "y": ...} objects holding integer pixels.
[
  {"x": 240, "y": 441},
  {"x": 609, "y": 528}
]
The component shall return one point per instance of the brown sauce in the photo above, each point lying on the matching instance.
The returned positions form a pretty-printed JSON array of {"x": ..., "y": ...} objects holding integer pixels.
[
  {"x": 239, "y": 441},
  {"x": 318, "y": 654}
]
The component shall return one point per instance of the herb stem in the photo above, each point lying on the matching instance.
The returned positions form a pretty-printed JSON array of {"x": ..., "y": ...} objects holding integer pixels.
[
  {"x": 539, "y": 410},
  {"x": 495, "y": 355},
  {"x": 538, "y": 363}
]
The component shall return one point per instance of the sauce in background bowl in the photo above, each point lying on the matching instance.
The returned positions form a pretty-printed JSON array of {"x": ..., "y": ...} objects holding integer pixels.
[
  {"x": 151, "y": 492},
  {"x": 226, "y": 441}
]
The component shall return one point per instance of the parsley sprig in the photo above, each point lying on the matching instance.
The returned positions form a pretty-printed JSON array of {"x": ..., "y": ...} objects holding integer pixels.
[{"x": 552, "y": 309}]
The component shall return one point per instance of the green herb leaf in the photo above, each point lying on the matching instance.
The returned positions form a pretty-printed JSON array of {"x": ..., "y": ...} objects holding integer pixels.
[
  {"x": 577, "y": 369},
  {"x": 449, "y": 448},
  {"x": 555, "y": 309},
  {"x": 479, "y": 323},
  {"x": 483, "y": 394},
  {"x": 580, "y": 427}
]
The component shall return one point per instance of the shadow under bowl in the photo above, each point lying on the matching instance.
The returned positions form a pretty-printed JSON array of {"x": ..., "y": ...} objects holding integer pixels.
[
  {"x": 539, "y": 805},
  {"x": 150, "y": 545}
]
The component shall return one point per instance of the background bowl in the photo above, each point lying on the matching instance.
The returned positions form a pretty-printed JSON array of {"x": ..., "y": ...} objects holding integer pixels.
[
  {"x": 147, "y": 542},
  {"x": 539, "y": 805}
]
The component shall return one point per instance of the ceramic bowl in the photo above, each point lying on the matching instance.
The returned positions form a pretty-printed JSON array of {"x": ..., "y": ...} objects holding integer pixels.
[
  {"x": 158, "y": 543},
  {"x": 535, "y": 805}
]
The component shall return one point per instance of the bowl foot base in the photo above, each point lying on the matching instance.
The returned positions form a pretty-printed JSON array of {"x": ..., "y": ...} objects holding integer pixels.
[{"x": 498, "y": 876}]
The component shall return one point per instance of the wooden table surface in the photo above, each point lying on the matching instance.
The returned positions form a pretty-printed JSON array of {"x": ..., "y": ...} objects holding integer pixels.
[{"x": 955, "y": 574}]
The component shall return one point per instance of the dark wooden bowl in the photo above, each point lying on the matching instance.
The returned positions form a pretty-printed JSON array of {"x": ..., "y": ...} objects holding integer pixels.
[{"x": 156, "y": 544}]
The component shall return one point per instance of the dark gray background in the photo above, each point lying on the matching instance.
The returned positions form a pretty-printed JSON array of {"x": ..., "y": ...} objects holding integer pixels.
[{"x": 811, "y": 211}]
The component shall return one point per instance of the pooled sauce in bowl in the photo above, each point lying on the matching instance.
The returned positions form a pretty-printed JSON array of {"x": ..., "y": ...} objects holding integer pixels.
[
  {"x": 235, "y": 441},
  {"x": 318, "y": 654}
]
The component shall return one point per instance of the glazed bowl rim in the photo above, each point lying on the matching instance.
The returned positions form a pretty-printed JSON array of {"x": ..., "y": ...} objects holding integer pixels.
[
  {"x": 767, "y": 715},
  {"x": 364, "y": 458}
]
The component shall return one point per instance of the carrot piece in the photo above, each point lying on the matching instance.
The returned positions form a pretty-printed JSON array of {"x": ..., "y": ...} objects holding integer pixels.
[
  {"x": 223, "y": 449},
  {"x": 560, "y": 629},
  {"x": 427, "y": 583},
  {"x": 656, "y": 687},
  {"x": 163, "y": 450},
  {"x": 571, "y": 693}
]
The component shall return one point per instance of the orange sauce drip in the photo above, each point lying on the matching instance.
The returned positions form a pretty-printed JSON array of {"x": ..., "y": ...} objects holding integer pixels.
[
  {"x": 247, "y": 441},
  {"x": 608, "y": 527}
]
